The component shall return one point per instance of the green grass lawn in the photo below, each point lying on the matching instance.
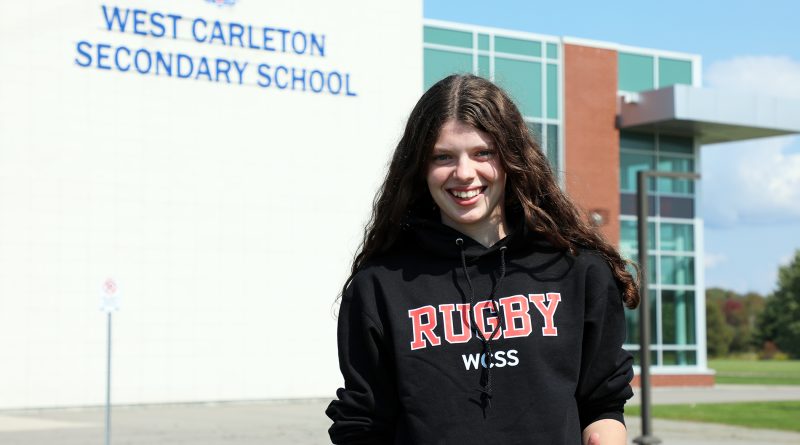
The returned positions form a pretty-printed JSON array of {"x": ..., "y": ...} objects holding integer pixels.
[
  {"x": 769, "y": 415},
  {"x": 756, "y": 372}
]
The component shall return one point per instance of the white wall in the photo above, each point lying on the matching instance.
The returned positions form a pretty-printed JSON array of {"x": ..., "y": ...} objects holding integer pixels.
[{"x": 227, "y": 214}]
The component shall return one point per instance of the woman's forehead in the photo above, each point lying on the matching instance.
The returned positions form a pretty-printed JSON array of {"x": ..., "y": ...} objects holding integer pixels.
[{"x": 457, "y": 134}]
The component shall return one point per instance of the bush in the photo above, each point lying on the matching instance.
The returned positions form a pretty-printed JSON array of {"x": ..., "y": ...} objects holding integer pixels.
[{"x": 769, "y": 351}]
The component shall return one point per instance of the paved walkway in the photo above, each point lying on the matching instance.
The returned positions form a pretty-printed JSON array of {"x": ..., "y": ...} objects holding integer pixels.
[
  {"x": 721, "y": 394},
  {"x": 303, "y": 422},
  {"x": 690, "y": 433}
]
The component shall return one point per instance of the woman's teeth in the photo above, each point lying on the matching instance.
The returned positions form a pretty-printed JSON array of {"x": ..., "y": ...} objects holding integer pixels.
[{"x": 465, "y": 195}]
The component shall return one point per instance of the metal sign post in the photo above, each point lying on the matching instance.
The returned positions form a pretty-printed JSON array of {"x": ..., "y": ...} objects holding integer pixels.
[
  {"x": 644, "y": 299},
  {"x": 109, "y": 304}
]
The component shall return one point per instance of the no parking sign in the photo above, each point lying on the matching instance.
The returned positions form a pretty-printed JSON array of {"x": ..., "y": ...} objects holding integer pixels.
[
  {"x": 110, "y": 300},
  {"x": 109, "y": 303}
]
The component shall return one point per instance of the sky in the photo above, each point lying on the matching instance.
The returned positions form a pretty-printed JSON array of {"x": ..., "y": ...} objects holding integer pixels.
[{"x": 750, "y": 190}]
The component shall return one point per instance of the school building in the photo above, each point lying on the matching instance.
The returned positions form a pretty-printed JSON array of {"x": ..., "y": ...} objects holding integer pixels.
[
  {"x": 201, "y": 170},
  {"x": 604, "y": 111}
]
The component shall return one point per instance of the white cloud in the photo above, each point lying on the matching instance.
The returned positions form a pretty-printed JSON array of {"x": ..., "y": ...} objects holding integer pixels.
[
  {"x": 753, "y": 182},
  {"x": 770, "y": 75},
  {"x": 711, "y": 260}
]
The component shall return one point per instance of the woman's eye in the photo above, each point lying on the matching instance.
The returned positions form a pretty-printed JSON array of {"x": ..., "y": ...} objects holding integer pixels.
[
  {"x": 485, "y": 154},
  {"x": 440, "y": 157}
]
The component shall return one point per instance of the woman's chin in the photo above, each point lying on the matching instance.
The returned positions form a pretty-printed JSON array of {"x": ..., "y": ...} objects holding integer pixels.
[{"x": 464, "y": 220}]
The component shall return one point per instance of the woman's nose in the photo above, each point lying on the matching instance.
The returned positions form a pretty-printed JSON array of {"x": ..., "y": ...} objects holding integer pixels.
[{"x": 464, "y": 169}]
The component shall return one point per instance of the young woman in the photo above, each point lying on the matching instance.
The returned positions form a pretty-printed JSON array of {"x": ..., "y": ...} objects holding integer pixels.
[{"x": 481, "y": 307}]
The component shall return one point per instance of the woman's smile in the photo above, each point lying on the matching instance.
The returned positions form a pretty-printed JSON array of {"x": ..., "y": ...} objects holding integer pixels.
[{"x": 466, "y": 197}]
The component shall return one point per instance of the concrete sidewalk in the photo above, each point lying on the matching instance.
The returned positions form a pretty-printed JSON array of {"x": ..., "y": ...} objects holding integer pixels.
[
  {"x": 694, "y": 433},
  {"x": 721, "y": 394},
  {"x": 303, "y": 422}
]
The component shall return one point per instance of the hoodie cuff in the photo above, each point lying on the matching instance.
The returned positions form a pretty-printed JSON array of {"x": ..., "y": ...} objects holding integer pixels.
[{"x": 590, "y": 417}]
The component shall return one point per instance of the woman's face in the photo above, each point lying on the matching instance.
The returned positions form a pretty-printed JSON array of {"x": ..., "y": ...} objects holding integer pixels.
[{"x": 466, "y": 180}]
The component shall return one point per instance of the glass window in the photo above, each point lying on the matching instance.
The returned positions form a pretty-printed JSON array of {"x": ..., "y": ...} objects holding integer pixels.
[
  {"x": 523, "y": 81},
  {"x": 440, "y": 64},
  {"x": 676, "y": 207},
  {"x": 552, "y": 147},
  {"x": 675, "y": 144},
  {"x": 677, "y": 270},
  {"x": 635, "y": 72},
  {"x": 517, "y": 46},
  {"x": 628, "y": 204},
  {"x": 631, "y": 326},
  {"x": 653, "y": 358},
  {"x": 629, "y": 240},
  {"x": 552, "y": 91},
  {"x": 672, "y": 185},
  {"x": 447, "y": 37},
  {"x": 673, "y": 71},
  {"x": 536, "y": 130},
  {"x": 675, "y": 164},
  {"x": 630, "y": 164},
  {"x": 483, "y": 67},
  {"x": 677, "y": 237},
  {"x": 680, "y": 357},
  {"x": 637, "y": 141},
  {"x": 677, "y": 322},
  {"x": 552, "y": 51},
  {"x": 632, "y": 323},
  {"x": 483, "y": 42}
]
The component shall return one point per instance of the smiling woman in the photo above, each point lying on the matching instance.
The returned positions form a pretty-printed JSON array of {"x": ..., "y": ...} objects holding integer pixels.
[
  {"x": 467, "y": 182},
  {"x": 470, "y": 220}
]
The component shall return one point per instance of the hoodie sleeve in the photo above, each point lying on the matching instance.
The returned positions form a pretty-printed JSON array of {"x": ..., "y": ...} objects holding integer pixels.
[
  {"x": 606, "y": 368},
  {"x": 365, "y": 410}
]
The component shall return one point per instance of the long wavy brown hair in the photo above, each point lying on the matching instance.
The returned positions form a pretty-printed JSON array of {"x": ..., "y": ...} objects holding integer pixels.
[{"x": 531, "y": 187}]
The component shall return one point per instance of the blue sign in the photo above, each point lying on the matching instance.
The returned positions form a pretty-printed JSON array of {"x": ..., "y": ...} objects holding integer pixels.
[{"x": 143, "y": 60}]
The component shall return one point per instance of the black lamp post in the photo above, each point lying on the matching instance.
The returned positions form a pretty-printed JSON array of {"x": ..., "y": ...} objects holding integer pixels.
[{"x": 644, "y": 303}]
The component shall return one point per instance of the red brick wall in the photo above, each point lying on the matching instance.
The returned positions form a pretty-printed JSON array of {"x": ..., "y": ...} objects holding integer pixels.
[{"x": 591, "y": 138}]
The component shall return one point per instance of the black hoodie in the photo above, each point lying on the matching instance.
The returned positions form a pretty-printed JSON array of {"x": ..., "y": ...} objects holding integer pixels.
[{"x": 415, "y": 369}]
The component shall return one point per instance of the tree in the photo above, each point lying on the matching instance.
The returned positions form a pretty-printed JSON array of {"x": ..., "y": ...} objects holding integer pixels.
[
  {"x": 718, "y": 333},
  {"x": 753, "y": 307},
  {"x": 739, "y": 313},
  {"x": 780, "y": 321}
]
